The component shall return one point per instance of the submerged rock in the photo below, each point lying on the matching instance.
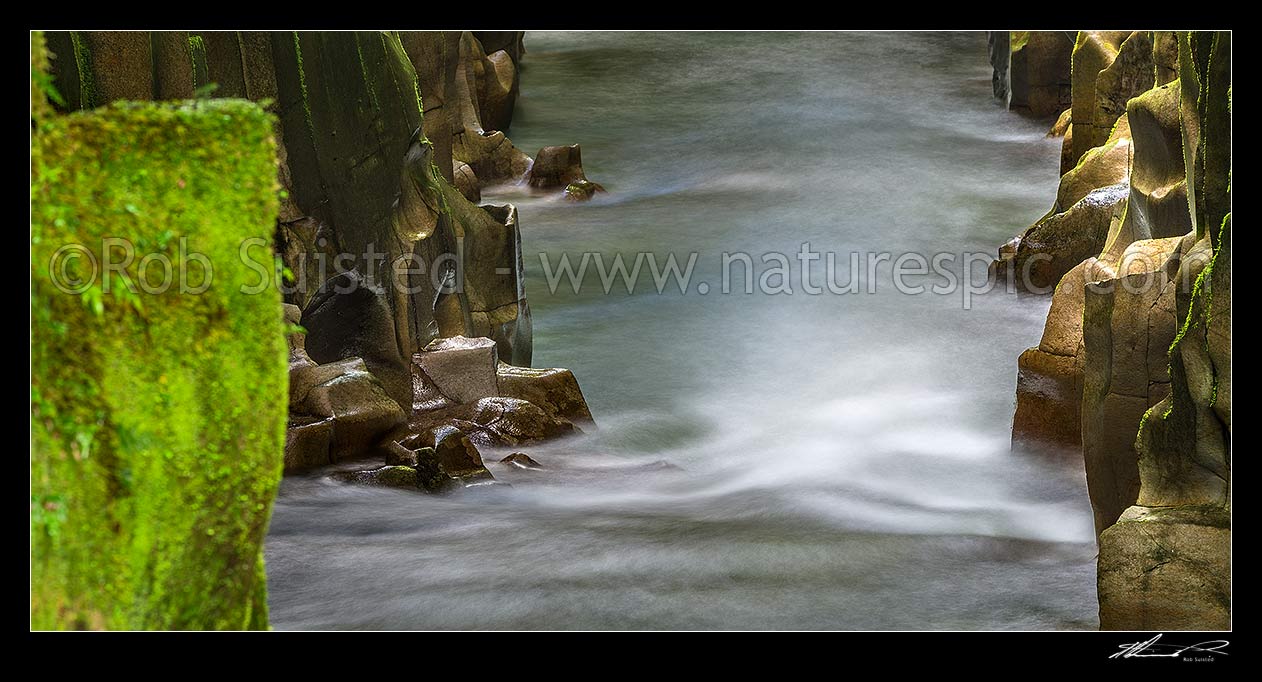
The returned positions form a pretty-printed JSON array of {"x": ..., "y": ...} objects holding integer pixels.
[
  {"x": 521, "y": 460},
  {"x": 556, "y": 167},
  {"x": 387, "y": 477},
  {"x": 454, "y": 453},
  {"x": 582, "y": 190}
]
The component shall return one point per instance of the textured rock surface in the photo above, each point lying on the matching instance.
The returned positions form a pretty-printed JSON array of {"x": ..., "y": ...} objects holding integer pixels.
[
  {"x": 1128, "y": 323},
  {"x": 1039, "y": 71},
  {"x": 1166, "y": 564},
  {"x": 1052, "y": 247},
  {"x": 554, "y": 390},
  {"x": 1166, "y": 569},
  {"x": 461, "y": 369},
  {"x": 1093, "y": 52}
]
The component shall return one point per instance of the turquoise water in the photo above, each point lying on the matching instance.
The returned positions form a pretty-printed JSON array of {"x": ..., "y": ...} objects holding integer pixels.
[{"x": 836, "y": 461}]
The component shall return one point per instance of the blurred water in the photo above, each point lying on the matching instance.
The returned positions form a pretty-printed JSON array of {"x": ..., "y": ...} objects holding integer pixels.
[{"x": 843, "y": 459}]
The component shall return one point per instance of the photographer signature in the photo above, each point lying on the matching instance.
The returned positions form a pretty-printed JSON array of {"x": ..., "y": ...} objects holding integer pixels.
[{"x": 1153, "y": 649}]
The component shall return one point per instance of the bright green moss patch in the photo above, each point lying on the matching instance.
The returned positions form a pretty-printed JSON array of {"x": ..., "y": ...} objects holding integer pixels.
[{"x": 157, "y": 418}]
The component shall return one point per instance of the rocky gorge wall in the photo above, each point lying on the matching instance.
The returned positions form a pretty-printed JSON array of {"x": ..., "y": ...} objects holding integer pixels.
[
  {"x": 404, "y": 304},
  {"x": 156, "y": 433},
  {"x": 1133, "y": 368}
]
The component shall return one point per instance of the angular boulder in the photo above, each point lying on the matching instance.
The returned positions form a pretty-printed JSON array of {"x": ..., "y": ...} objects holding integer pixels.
[
  {"x": 461, "y": 369},
  {"x": 554, "y": 390}
]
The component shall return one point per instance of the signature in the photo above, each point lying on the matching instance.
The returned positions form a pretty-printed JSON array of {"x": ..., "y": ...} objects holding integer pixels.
[{"x": 1153, "y": 649}]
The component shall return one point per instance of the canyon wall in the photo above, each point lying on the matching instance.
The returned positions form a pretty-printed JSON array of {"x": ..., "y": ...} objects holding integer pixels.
[
  {"x": 404, "y": 317},
  {"x": 156, "y": 433},
  {"x": 1133, "y": 369}
]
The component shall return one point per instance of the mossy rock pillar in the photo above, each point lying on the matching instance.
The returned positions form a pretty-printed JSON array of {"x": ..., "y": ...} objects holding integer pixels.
[{"x": 158, "y": 411}]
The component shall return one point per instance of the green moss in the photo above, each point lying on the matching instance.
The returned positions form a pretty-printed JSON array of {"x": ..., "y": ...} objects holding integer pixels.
[
  {"x": 197, "y": 52},
  {"x": 87, "y": 78},
  {"x": 157, "y": 434}
]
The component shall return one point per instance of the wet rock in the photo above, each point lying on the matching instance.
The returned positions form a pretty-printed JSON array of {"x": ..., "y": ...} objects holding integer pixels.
[
  {"x": 582, "y": 190},
  {"x": 397, "y": 455},
  {"x": 462, "y": 369},
  {"x": 350, "y": 318},
  {"x": 1166, "y": 569},
  {"x": 308, "y": 443},
  {"x": 454, "y": 451},
  {"x": 496, "y": 422},
  {"x": 999, "y": 51},
  {"x": 556, "y": 167},
  {"x": 346, "y": 392},
  {"x": 385, "y": 477},
  {"x": 554, "y": 390},
  {"x": 521, "y": 460}
]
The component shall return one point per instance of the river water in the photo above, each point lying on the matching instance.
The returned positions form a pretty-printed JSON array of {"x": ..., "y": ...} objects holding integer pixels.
[{"x": 764, "y": 460}]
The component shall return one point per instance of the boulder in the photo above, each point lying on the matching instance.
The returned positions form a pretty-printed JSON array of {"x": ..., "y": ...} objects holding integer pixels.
[
  {"x": 350, "y": 318},
  {"x": 1166, "y": 569},
  {"x": 495, "y": 422},
  {"x": 308, "y": 443},
  {"x": 1067, "y": 159},
  {"x": 554, "y": 390},
  {"x": 386, "y": 477},
  {"x": 454, "y": 452},
  {"x": 582, "y": 190},
  {"x": 347, "y": 393},
  {"x": 556, "y": 167},
  {"x": 462, "y": 369},
  {"x": 521, "y": 460}
]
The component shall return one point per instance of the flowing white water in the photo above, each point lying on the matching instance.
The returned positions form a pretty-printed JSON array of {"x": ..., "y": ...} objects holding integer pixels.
[{"x": 843, "y": 460}]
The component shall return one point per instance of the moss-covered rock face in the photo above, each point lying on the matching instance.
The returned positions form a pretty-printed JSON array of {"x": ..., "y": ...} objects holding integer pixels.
[{"x": 158, "y": 418}]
